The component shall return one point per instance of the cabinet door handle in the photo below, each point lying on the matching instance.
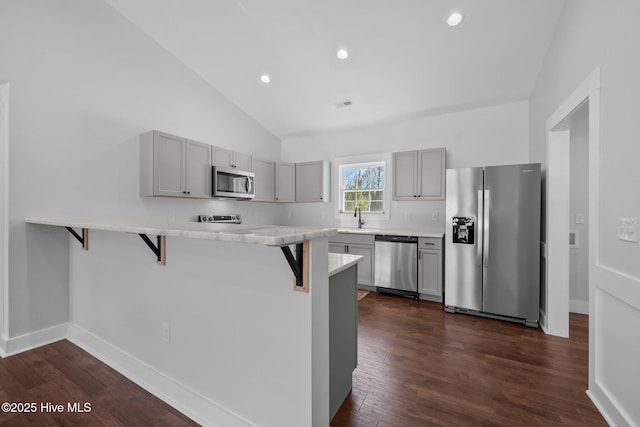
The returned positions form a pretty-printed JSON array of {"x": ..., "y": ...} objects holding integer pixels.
[{"x": 419, "y": 255}]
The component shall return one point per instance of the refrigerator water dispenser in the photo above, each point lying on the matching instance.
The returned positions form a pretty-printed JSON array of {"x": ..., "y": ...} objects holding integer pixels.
[{"x": 463, "y": 230}]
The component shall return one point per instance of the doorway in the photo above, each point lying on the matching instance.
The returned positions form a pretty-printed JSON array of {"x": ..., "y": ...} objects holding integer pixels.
[{"x": 556, "y": 287}]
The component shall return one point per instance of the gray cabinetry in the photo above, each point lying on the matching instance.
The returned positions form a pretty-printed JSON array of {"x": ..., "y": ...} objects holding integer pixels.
[
  {"x": 265, "y": 180},
  {"x": 312, "y": 181},
  {"x": 231, "y": 159},
  {"x": 343, "y": 335},
  {"x": 430, "y": 263},
  {"x": 357, "y": 245},
  {"x": 419, "y": 175},
  {"x": 172, "y": 166},
  {"x": 285, "y": 182}
]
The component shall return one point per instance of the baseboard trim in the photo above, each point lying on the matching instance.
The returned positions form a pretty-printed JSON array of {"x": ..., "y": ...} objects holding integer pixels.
[
  {"x": 607, "y": 409},
  {"x": 32, "y": 340},
  {"x": 543, "y": 322},
  {"x": 579, "y": 306},
  {"x": 197, "y": 407}
]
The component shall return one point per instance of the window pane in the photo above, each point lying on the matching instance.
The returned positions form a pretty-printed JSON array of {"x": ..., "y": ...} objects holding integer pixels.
[
  {"x": 363, "y": 187},
  {"x": 377, "y": 206},
  {"x": 349, "y": 206},
  {"x": 363, "y": 200},
  {"x": 378, "y": 177},
  {"x": 350, "y": 178},
  {"x": 364, "y": 175}
]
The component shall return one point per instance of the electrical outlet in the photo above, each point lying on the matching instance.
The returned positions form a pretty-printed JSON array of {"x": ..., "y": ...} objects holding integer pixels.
[
  {"x": 166, "y": 332},
  {"x": 628, "y": 229},
  {"x": 579, "y": 218},
  {"x": 434, "y": 216}
]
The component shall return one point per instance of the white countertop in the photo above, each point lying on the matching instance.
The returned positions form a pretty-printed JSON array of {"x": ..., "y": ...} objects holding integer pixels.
[
  {"x": 392, "y": 232},
  {"x": 340, "y": 262},
  {"x": 269, "y": 235}
]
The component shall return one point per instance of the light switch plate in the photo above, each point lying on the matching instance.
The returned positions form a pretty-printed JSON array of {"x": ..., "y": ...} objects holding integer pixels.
[
  {"x": 434, "y": 216},
  {"x": 579, "y": 218},
  {"x": 628, "y": 229}
]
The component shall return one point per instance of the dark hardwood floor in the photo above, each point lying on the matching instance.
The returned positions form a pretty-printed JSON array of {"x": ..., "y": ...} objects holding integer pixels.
[
  {"x": 417, "y": 366},
  {"x": 60, "y": 373},
  {"x": 420, "y": 366}
]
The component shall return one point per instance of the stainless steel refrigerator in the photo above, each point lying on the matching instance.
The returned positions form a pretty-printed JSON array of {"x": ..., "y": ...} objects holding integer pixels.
[{"x": 492, "y": 249}]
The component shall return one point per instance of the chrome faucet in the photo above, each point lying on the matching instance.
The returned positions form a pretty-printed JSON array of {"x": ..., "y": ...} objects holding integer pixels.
[{"x": 358, "y": 213}]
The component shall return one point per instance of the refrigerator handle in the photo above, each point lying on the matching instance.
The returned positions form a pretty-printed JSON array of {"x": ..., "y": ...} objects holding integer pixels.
[
  {"x": 479, "y": 228},
  {"x": 485, "y": 225}
]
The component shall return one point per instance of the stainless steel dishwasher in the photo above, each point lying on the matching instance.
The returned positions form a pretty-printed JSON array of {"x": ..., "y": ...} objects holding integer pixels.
[{"x": 396, "y": 265}]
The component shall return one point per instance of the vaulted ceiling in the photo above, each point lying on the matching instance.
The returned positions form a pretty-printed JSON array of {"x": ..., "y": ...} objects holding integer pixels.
[{"x": 404, "y": 60}]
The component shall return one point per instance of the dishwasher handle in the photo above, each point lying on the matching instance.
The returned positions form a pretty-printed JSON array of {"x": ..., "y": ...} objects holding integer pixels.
[{"x": 396, "y": 239}]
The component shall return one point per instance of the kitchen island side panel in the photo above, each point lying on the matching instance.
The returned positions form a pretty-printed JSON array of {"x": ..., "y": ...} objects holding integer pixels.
[{"x": 220, "y": 319}]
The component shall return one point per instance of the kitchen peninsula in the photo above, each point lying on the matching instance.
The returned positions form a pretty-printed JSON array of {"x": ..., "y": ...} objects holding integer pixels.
[{"x": 218, "y": 332}]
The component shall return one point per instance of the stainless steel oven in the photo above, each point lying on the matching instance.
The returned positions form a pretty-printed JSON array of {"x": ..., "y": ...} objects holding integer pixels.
[{"x": 233, "y": 183}]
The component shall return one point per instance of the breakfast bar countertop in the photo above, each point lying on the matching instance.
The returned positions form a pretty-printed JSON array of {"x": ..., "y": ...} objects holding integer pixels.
[{"x": 269, "y": 235}]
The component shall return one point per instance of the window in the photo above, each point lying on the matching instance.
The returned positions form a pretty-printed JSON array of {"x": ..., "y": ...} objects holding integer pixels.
[{"x": 362, "y": 185}]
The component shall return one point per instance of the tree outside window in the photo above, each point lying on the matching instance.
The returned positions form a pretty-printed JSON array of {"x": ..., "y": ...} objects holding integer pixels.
[{"x": 363, "y": 187}]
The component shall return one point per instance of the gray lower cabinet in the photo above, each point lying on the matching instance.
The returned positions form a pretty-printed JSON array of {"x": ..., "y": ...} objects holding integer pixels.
[
  {"x": 430, "y": 269},
  {"x": 172, "y": 166},
  {"x": 343, "y": 335},
  {"x": 355, "y": 244}
]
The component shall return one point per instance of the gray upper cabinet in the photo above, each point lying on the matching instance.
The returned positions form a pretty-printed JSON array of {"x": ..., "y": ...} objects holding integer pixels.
[
  {"x": 231, "y": 159},
  {"x": 265, "y": 180},
  {"x": 312, "y": 181},
  {"x": 285, "y": 182},
  {"x": 173, "y": 166},
  {"x": 419, "y": 175}
]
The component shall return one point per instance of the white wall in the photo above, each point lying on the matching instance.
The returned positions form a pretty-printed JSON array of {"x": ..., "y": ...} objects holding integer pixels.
[
  {"x": 485, "y": 136},
  {"x": 4, "y": 207},
  {"x": 85, "y": 83},
  {"x": 244, "y": 348},
  {"x": 593, "y": 34},
  {"x": 579, "y": 204}
]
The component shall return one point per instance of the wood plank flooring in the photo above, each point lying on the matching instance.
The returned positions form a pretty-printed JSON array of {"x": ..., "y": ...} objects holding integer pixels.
[
  {"x": 417, "y": 366},
  {"x": 420, "y": 366},
  {"x": 60, "y": 373}
]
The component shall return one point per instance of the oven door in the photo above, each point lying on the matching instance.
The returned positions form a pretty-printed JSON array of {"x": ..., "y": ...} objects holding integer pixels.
[{"x": 233, "y": 183}]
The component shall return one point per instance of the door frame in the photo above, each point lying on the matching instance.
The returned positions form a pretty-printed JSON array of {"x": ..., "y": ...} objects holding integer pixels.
[
  {"x": 556, "y": 316},
  {"x": 4, "y": 212}
]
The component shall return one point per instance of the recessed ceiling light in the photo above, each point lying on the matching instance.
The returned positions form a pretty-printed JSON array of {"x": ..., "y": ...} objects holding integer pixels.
[
  {"x": 454, "y": 19},
  {"x": 342, "y": 54},
  {"x": 265, "y": 79}
]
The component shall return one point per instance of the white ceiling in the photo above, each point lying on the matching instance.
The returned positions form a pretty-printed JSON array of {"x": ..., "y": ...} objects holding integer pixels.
[{"x": 404, "y": 61}]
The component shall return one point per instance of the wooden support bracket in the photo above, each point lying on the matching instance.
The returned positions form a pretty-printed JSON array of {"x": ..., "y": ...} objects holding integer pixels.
[
  {"x": 84, "y": 240},
  {"x": 299, "y": 265},
  {"x": 160, "y": 250}
]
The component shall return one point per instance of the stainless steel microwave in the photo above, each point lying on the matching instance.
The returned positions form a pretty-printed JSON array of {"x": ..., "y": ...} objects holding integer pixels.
[{"x": 233, "y": 183}]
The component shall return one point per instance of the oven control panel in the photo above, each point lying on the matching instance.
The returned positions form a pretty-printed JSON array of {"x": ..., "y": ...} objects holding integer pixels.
[{"x": 229, "y": 219}]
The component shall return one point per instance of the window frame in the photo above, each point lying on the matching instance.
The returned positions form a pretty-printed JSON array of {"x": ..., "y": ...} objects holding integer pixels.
[{"x": 384, "y": 160}]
